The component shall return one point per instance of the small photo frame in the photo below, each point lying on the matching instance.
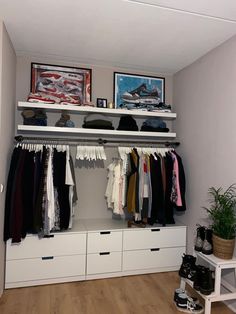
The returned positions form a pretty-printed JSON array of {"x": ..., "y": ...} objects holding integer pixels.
[
  {"x": 101, "y": 103},
  {"x": 61, "y": 81},
  {"x": 138, "y": 91}
]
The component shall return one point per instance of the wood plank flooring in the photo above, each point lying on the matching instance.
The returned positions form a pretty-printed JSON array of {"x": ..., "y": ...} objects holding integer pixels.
[{"x": 143, "y": 294}]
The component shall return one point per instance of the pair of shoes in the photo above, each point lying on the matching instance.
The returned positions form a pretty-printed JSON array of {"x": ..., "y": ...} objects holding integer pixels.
[
  {"x": 187, "y": 304},
  {"x": 203, "y": 242},
  {"x": 203, "y": 280},
  {"x": 188, "y": 267},
  {"x": 136, "y": 224}
]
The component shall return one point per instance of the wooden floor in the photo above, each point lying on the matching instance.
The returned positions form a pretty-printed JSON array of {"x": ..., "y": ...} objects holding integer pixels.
[{"x": 126, "y": 295}]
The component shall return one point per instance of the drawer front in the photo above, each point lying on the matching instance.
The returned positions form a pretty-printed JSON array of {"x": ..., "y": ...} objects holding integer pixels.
[
  {"x": 59, "y": 244},
  {"x": 154, "y": 238},
  {"x": 103, "y": 263},
  {"x": 38, "y": 268},
  {"x": 108, "y": 241},
  {"x": 145, "y": 259}
]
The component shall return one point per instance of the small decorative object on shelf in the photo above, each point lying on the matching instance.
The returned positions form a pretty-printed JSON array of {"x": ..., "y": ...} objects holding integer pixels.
[
  {"x": 110, "y": 105},
  {"x": 101, "y": 103},
  {"x": 222, "y": 212}
]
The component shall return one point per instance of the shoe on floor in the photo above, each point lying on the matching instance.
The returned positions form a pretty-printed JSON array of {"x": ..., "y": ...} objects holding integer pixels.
[
  {"x": 187, "y": 305},
  {"x": 181, "y": 291}
]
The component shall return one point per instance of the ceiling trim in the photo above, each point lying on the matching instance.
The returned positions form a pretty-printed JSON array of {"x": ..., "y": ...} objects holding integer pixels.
[{"x": 140, "y": 2}]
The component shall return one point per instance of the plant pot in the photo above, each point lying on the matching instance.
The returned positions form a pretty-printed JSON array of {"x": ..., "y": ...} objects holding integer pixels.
[{"x": 223, "y": 248}]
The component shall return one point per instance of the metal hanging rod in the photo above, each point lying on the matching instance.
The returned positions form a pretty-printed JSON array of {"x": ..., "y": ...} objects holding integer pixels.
[{"x": 100, "y": 141}]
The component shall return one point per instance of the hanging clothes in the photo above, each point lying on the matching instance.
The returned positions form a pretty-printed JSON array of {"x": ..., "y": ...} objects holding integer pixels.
[
  {"x": 154, "y": 183},
  {"x": 41, "y": 191}
]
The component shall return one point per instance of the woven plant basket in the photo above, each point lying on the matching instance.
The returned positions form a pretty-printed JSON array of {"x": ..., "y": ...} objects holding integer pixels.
[{"x": 223, "y": 248}]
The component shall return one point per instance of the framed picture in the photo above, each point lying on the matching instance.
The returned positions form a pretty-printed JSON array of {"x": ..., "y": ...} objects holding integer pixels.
[
  {"x": 101, "y": 102},
  {"x": 138, "y": 91},
  {"x": 61, "y": 83}
]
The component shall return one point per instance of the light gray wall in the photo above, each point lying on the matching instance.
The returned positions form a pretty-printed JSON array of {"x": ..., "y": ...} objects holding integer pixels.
[
  {"x": 7, "y": 120},
  {"x": 204, "y": 96},
  {"x": 91, "y": 179}
]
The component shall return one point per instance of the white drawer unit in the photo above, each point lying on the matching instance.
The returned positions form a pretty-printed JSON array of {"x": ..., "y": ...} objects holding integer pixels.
[
  {"x": 104, "y": 241},
  {"x": 152, "y": 258},
  {"x": 54, "y": 245},
  {"x": 153, "y": 249},
  {"x": 45, "y": 268},
  {"x": 104, "y": 262},
  {"x": 60, "y": 257},
  {"x": 94, "y": 249},
  {"x": 104, "y": 253},
  {"x": 154, "y": 238}
]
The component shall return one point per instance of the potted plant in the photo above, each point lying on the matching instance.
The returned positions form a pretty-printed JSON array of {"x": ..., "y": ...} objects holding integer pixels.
[{"x": 222, "y": 212}]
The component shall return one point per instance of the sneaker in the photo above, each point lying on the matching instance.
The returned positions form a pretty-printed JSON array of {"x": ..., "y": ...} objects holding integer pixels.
[
  {"x": 181, "y": 291},
  {"x": 199, "y": 238},
  {"x": 207, "y": 247},
  {"x": 198, "y": 277},
  {"x": 38, "y": 98},
  {"x": 206, "y": 281},
  {"x": 187, "y": 305},
  {"x": 188, "y": 267}
]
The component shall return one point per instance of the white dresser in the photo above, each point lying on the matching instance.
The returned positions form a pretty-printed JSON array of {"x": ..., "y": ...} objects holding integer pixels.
[
  {"x": 94, "y": 249},
  {"x": 58, "y": 258}
]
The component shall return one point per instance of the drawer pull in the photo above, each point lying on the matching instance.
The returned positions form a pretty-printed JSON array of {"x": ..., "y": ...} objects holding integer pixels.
[
  {"x": 104, "y": 253},
  {"x": 153, "y": 250},
  {"x": 49, "y": 236},
  {"x": 47, "y": 257},
  {"x": 105, "y": 232},
  {"x": 153, "y": 230}
]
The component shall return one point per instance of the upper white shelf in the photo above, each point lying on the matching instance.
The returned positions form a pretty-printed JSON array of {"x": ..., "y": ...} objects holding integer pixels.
[{"x": 86, "y": 109}]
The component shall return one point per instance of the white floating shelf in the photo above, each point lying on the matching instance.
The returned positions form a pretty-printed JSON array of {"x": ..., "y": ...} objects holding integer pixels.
[
  {"x": 87, "y": 109},
  {"x": 94, "y": 132}
]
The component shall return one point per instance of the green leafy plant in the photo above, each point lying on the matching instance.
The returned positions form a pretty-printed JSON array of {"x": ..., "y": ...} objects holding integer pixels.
[{"x": 222, "y": 211}]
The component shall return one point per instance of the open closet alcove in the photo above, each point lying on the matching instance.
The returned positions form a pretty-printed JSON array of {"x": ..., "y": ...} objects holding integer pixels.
[{"x": 99, "y": 244}]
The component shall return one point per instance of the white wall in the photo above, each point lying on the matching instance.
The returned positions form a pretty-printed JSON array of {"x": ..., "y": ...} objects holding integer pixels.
[
  {"x": 7, "y": 118},
  {"x": 91, "y": 180},
  {"x": 204, "y": 96}
]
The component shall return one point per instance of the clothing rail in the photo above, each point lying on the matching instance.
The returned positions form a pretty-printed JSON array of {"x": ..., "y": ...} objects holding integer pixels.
[{"x": 100, "y": 141}]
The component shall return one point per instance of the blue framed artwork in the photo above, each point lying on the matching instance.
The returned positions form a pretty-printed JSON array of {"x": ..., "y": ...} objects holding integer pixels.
[{"x": 133, "y": 91}]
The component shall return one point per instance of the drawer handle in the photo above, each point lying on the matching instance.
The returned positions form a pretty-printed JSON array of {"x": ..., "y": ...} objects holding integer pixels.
[
  {"x": 105, "y": 232},
  {"x": 104, "y": 253},
  {"x": 47, "y": 257},
  {"x": 153, "y": 230},
  {"x": 153, "y": 250},
  {"x": 49, "y": 236}
]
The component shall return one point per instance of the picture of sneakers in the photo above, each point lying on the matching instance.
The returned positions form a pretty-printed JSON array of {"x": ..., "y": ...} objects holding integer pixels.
[
  {"x": 137, "y": 91},
  {"x": 68, "y": 85},
  {"x": 141, "y": 95}
]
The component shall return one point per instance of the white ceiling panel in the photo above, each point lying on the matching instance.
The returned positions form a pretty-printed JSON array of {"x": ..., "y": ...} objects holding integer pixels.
[{"x": 118, "y": 32}]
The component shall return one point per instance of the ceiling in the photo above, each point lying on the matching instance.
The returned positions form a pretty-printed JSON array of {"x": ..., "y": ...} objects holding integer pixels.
[{"x": 152, "y": 35}]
